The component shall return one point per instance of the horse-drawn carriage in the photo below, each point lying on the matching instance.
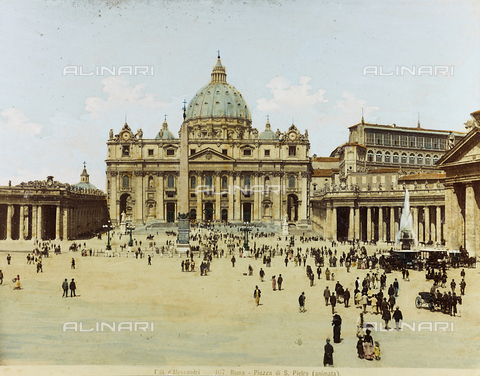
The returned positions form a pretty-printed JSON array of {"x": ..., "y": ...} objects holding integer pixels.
[{"x": 426, "y": 300}]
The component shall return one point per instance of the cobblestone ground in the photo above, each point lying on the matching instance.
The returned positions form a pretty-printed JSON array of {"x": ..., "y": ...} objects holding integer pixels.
[{"x": 211, "y": 320}]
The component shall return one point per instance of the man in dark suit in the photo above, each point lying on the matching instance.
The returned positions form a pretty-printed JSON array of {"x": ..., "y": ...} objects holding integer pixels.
[
  {"x": 328, "y": 354},
  {"x": 73, "y": 287},
  {"x": 65, "y": 288}
]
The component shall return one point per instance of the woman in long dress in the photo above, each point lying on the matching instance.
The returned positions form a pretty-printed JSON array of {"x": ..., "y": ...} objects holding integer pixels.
[{"x": 368, "y": 345}]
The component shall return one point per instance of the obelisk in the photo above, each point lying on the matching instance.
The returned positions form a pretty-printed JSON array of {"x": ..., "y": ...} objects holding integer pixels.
[{"x": 183, "y": 208}]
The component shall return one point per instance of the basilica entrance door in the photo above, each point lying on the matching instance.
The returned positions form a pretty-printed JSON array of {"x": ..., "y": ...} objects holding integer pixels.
[
  {"x": 208, "y": 211},
  {"x": 247, "y": 212},
  {"x": 170, "y": 212}
]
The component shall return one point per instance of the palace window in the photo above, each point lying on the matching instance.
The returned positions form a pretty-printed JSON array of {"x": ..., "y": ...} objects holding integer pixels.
[
  {"x": 292, "y": 151},
  {"x": 420, "y": 159},
  {"x": 395, "y": 158},
  {"x": 404, "y": 158},
  {"x": 404, "y": 141},
  {"x": 427, "y": 159},
  {"x": 428, "y": 142},
  {"x": 291, "y": 181},
  {"x": 396, "y": 140},
  {"x": 412, "y": 159},
  {"x": 420, "y": 142},
  {"x": 370, "y": 156},
  {"x": 436, "y": 144},
  {"x": 193, "y": 182},
  {"x": 126, "y": 181},
  {"x": 387, "y": 157},
  {"x": 435, "y": 159},
  {"x": 379, "y": 157},
  {"x": 442, "y": 144},
  {"x": 387, "y": 139},
  {"x": 379, "y": 139},
  {"x": 171, "y": 182},
  {"x": 370, "y": 138},
  {"x": 411, "y": 141}
]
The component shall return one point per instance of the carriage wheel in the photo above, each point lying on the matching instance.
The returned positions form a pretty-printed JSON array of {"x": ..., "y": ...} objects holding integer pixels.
[{"x": 418, "y": 302}]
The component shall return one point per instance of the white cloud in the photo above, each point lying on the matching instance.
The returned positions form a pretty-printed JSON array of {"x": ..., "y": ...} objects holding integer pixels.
[
  {"x": 121, "y": 95},
  {"x": 351, "y": 109},
  {"x": 17, "y": 121},
  {"x": 290, "y": 98}
]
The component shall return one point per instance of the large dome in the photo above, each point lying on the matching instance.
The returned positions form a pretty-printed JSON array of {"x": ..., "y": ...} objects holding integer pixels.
[{"x": 218, "y": 99}]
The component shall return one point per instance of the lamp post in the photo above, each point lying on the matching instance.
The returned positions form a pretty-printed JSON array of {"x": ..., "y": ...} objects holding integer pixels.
[
  {"x": 130, "y": 227},
  {"x": 108, "y": 227},
  {"x": 246, "y": 228}
]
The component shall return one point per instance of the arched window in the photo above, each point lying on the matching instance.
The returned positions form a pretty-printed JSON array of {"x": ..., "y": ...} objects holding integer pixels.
[
  {"x": 150, "y": 182},
  {"x": 379, "y": 156},
  {"x": 395, "y": 158},
  {"x": 435, "y": 159},
  {"x": 170, "y": 182},
  {"x": 291, "y": 181},
  {"x": 427, "y": 159},
  {"x": 412, "y": 159},
  {"x": 193, "y": 182},
  {"x": 387, "y": 157},
  {"x": 404, "y": 158},
  {"x": 246, "y": 181},
  {"x": 420, "y": 159},
  {"x": 370, "y": 156},
  {"x": 126, "y": 181}
]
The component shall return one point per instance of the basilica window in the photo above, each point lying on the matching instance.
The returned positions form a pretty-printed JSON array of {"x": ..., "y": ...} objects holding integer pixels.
[
  {"x": 427, "y": 159},
  {"x": 150, "y": 152},
  {"x": 193, "y": 182},
  {"x": 170, "y": 152},
  {"x": 126, "y": 151},
  {"x": 209, "y": 180},
  {"x": 108, "y": 184},
  {"x": 412, "y": 159},
  {"x": 387, "y": 157},
  {"x": 292, "y": 151},
  {"x": 291, "y": 181},
  {"x": 420, "y": 159},
  {"x": 267, "y": 153},
  {"x": 247, "y": 152},
  {"x": 395, "y": 158},
  {"x": 224, "y": 182},
  {"x": 379, "y": 157},
  {"x": 247, "y": 181},
  {"x": 192, "y": 151},
  {"x": 150, "y": 182},
  {"x": 224, "y": 151},
  {"x": 404, "y": 158},
  {"x": 171, "y": 182},
  {"x": 370, "y": 156},
  {"x": 126, "y": 181}
]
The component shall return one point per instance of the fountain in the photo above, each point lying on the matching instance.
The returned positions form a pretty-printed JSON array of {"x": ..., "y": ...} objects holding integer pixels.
[{"x": 406, "y": 235}]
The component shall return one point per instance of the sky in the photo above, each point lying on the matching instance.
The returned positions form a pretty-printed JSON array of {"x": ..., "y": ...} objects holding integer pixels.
[{"x": 312, "y": 63}]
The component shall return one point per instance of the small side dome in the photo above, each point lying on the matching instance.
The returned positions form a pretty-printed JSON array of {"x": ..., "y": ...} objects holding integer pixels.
[
  {"x": 84, "y": 182},
  {"x": 268, "y": 134},
  {"x": 164, "y": 133}
]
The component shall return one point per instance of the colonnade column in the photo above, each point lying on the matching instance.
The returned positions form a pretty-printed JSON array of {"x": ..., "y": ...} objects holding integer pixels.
[
  {"x": 351, "y": 224},
  {"x": 199, "y": 198},
  {"x": 334, "y": 224},
  {"x": 39, "y": 222},
  {"x": 57, "y": 223},
  {"x": 256, "y": 198},
  {"x": 381, "y": 232},
  {"x": 21, "y": 232},
  {"x": 328, "y": 215},
  {"x": 357, "y": 223},
  {"x": 238, "y": 216},
  {"x": 65, "y": 223},
  {"x": 369, "y": 224},
  {"x": 10, "y": 210},
  {"x": 470, "y": 209},
  {"x": 392, "y": 224},
  {"x": 302, "y": 216},
  {"x": 415, "y": 221},
  {"x": 426, "y": 216}
]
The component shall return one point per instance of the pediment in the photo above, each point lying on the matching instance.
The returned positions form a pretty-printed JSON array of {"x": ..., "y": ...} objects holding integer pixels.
[
  {"x": 467, "y": 150},
  {"x": 209, "y": 155}
]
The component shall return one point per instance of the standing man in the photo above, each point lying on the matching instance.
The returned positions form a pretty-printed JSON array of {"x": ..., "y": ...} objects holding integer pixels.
[
  {"x": 279, "y": 281},
  {"x": 149, "y": 260},
  {"x": 463, "y": 284},
  {"x": 256, "y": 294},
  {"x": 319, "y": 272},
  {"x": 301, "y": 302},
  {"x": 262, "y": 274},
  {"x": 233, "y": 261},
  {"x": 9, "y": 258},
  {"x": 333, "y": 302},
  {"x": 346, "y": 297},
  {"x": 274, "y": 283},
  {"x": 326, "y": 295},
  {"x": 1, "y": 277},
  {"x": 73, "y": 263},
  {"x": 328, "y": 354},
  {"x": 396, "y": 287},
  {"x": 397, "y": 316},
  {"x": 73, "y": 287},
  {"x": 65, "y": 288},
  {"x": 453, "y": 285}
]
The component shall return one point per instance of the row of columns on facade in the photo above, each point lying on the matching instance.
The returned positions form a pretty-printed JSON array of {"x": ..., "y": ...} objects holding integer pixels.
[
  {"x": 68, "y": 222},
  {"x": 426, "y": 230}
]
